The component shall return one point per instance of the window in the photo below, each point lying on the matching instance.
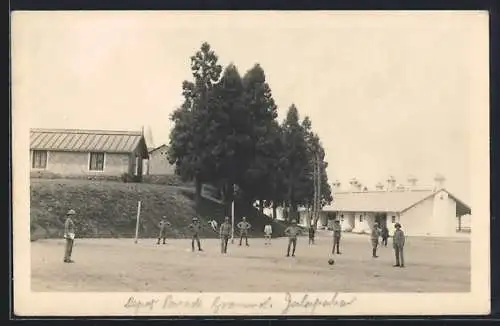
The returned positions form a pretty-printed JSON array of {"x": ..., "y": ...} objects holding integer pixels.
[
  {"x": 361, "y": 218},
  {"x": 96, "y": 162},
  {"x": 39, "y": 160},
  {"x": 393, "y": 219}
]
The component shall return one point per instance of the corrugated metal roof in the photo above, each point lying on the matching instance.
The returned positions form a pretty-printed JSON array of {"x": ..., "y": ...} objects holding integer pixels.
[
  {"x": 376, "y": 201},
  {"x": 386, "y": 201},
  {"x": 85, "y": 140}
]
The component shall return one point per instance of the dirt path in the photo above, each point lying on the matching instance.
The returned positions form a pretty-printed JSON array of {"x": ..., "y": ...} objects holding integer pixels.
[{"x": 433, "y": 265}]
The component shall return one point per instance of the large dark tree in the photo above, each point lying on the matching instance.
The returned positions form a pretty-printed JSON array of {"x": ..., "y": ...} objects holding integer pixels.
[
  {"x": 261, "y": 178},
  {"x": 228, "y": 140},
  {"x": 187, "y": 148},
  {"x": 296, "y": 159}
]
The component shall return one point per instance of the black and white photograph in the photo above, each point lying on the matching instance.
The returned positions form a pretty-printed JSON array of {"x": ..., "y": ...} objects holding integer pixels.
[{"x": 250, "y": 163}]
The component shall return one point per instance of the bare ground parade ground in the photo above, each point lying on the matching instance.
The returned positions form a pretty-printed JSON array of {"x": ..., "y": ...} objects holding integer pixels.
[{"x": 107, "y": 265}]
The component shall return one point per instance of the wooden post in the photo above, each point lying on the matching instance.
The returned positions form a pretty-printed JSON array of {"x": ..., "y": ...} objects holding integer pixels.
[
  {"x": 137, "y": 222},
  {"x": 232, "y": 216}
]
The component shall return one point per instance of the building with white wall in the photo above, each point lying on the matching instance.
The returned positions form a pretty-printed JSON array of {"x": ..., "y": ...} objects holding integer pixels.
[{"x": 431, "y": 212}]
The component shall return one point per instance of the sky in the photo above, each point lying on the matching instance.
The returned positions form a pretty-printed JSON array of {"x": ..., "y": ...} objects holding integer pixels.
[{"x": 388, "y": 93}]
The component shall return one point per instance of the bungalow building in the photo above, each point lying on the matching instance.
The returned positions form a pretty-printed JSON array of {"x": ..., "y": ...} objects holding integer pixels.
[
  {"x": 87, "y": 152},
  {"x": 158, "y": 164}
]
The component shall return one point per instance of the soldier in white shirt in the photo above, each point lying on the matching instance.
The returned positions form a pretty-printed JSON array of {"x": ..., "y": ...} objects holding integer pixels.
[{"x": 268, "y": 231}]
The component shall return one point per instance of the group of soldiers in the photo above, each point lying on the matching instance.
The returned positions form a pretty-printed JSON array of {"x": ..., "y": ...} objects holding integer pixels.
[
  {"x": 195, "y": 228},
  {"x": 376, "y": 234},
  {"x": 398, "y": 241},
  {"x": 225, "y": 232}
]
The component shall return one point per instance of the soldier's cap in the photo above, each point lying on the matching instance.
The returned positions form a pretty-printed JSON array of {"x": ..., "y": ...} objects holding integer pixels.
[
  {"x": 163, "y": 216},
  {"x": 226, "y": 218},
  {"x": 294, "y": 221},
  {"x": 195, "y": 218},
  {"x": 397, "y": 225},
  {"x": 71, "y": 212}
]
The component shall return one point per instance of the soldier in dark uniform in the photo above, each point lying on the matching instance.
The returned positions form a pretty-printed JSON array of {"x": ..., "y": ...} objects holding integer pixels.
[
  {"x": 195, "y": 228},
  {"x": 292, "y": 231},
  {"x": 398, "y": 242},
  {"x": 163, "y": 232},
  {"x": 337, "y": 230},
  {"x": 244, "y": 226},
  {"x": 375, "y": 234},
  {"x": 311, "y": 234},
  {"x": 69, "y": 235},
  {"x": 225, "y": 233},
  {"x": 384, "y": 234}
]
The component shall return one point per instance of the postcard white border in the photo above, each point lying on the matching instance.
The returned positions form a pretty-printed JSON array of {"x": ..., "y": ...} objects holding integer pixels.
[{"x": 112, "y": 304}]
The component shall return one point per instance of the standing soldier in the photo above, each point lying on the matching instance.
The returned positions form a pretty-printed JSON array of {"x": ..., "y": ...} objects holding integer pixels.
[
  {"x": 398, "y": 242},
  {"x": 225, "y": 233},
  {"x": 69, "y": 235},
  {"x": 163, "y": 232},
  {"x": 375, "y": 234},
  {"x": 244, "y": 226},
  {"x": 268, "y": 231},
  {"x": 292, "y": 231},
  {"x": 337, "y": 230},
  {"x": 385, "y": 235},
  {"x": 195, "y": 228},
  {"x": 311, "y": 234}
]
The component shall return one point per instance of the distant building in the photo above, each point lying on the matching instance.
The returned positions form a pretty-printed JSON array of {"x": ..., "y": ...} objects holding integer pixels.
[
  {"x": 68, "y": 152},
  {"x": 421, "y": 210},
  {"x": 158, "y": 164}
]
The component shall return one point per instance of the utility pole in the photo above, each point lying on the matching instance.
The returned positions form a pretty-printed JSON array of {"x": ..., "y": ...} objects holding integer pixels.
[
  {"x": 318, "y": 205},
  {"x": 313, "y": 214}
]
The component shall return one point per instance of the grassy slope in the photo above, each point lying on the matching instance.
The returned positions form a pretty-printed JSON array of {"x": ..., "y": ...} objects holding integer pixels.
[{"x": 108, "y": 209}]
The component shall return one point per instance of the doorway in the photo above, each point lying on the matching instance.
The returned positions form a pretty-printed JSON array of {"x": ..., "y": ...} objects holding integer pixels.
[{"x": 381, "y": 219}]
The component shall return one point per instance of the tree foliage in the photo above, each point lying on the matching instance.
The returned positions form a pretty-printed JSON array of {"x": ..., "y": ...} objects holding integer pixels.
[{"x": 226, "y": 133}]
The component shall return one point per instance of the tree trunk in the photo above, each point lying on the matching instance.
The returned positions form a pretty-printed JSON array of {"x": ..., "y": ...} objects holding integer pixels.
[
  {"x": 309, "y": 215},
  {"x": 274, "y": 210},
  {"x": 315, "y": 192},
  {"x": 318, "y": 191},
  {"x": 290, "y": 198},
  {"x": 197, "y": 196}
]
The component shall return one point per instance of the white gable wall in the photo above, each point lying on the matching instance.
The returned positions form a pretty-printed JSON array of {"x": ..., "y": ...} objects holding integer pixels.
[
  {"x": 418, "y": 220},
  {"x": 444, "y": 215}
]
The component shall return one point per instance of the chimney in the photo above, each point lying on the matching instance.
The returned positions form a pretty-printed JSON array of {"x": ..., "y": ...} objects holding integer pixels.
[
  {"x": 391, "y": 183},
  {"x": 336, "y": 185},
  {"x": 439, "y": 181},
  {"x": 379, "y": 186},
  {"x": 412, "y": 181},
  {"x": 355, "y": 185}
]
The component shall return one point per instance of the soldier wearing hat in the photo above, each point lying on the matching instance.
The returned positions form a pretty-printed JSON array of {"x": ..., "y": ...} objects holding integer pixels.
[
  {"x": 337, "y": 230},
  {"x": 292, "y": 231},
  {"x": 225, "y": 233},
  {"x": 163, "y": 232},
  {"x": 374, "y": 236},
  {"x": 69, "y": 235},
  {"x": 195, "y": 228},
  {"x": 398, "y": 243},
  {"x": 244, "y": 226}
]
